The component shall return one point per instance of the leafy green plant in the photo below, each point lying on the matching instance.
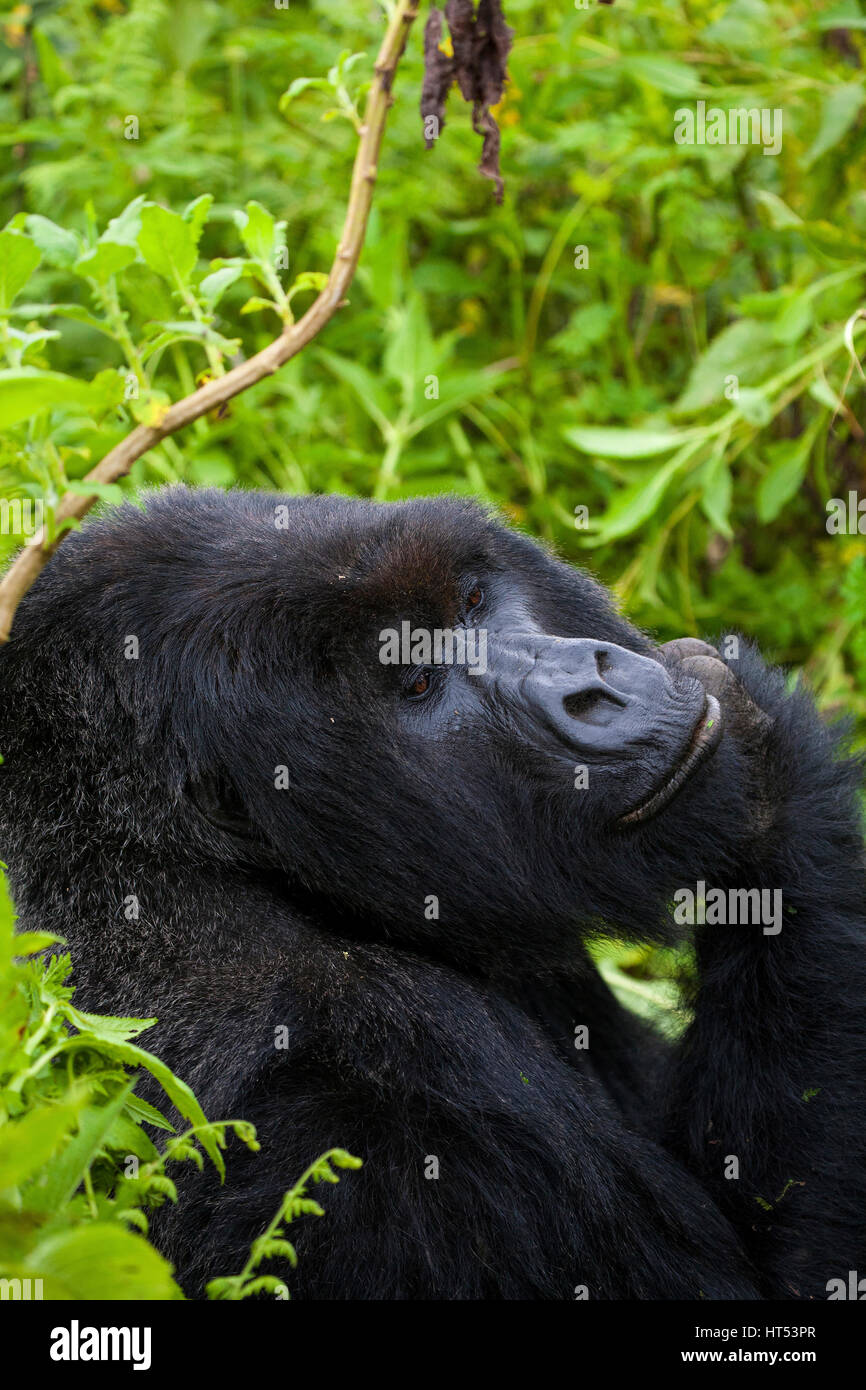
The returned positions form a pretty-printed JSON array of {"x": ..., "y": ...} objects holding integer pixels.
[
  {"x": 79, "y": 1170},
  {"x": 272, "y": 1243},
  {"x": 564, "y": 381}
]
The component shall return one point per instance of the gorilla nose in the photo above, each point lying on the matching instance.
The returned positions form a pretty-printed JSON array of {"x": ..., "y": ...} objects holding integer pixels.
[{"x": 602, "y": 698}]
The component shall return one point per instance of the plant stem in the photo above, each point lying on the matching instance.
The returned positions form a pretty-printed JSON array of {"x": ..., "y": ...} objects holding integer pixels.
[{"x": 118, "y": 461}]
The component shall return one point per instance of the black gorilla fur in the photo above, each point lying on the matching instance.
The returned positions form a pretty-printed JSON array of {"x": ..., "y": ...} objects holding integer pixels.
[{"x": 305, "y": 908}]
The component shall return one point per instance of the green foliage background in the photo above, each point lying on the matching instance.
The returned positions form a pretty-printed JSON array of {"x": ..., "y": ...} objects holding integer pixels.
[
  {"x": 561, "y": 386},
  {"x": 703, "y": 261}
]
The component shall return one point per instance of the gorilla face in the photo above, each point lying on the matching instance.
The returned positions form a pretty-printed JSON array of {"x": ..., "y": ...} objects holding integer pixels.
[
  {"x": 639, "y": 729},
  {"x": 483, "y": 772},
  {"x": 290, "y": 716}
]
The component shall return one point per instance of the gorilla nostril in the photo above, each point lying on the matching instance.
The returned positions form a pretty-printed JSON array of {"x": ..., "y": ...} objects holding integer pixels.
[
  {"x": 602, "y": 663},
  {"x": 580, "y": 704},
  {"x": 591, "y": 706}
]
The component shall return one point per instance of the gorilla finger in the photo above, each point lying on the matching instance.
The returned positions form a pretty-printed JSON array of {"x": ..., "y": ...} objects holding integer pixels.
[{"x": 682, "y": 647}]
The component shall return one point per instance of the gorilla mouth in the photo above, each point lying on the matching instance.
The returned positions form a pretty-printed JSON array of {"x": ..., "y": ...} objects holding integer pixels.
[{"x": 703, "y": 742}]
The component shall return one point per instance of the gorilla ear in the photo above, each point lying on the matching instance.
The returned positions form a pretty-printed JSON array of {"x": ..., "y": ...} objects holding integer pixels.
[{"x": 217, "y": 800}]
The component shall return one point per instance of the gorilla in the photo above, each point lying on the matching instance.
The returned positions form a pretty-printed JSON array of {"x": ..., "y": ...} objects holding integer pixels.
[{"x": 365, "y": 886}]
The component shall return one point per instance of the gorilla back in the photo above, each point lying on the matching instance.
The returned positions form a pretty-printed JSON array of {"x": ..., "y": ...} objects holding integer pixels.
[{"x": 371, "y": 774}]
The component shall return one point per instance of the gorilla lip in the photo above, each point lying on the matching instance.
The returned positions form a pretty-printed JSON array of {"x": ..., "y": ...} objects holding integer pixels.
[{"x": 703, "y": 742}]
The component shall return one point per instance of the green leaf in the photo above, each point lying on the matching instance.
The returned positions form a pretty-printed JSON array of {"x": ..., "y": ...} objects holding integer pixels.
[
  {"x": 667, "y": 75},
  {"x": 101, "y": 1260},
  {"x": 746, "y": 350},
  {"x": 784, "y": 477},
  {"x": 196, "y": 213},
  {"x": 214, "y": 286},
  {"x": 106, "y": 1027},
  {"x": 636, "y": 503},
  {"x": 309, "y": 280},
  {"x": 456, "y": 391},
  {"x": 778, "y": 213},
  {"x": 610, "y": 442},
  {"x": 24, "y": 391},
  {"x": 840, "y": 111},
  {"x": 129, "y": 1138},
  {"x": 168, "y": 244},
  {"x": 51, "y": 70},
  {"x": 19, "y": 257},
  {"x": 58, "y": 246},
  {"x": 367, "y": 387},
  {"x": 143, "y": 1110},
  {"x": 299, "y": 85},
  {"x": 59, "y": 1179},
  {"x": 410, "y": 355},
  {"x": 716, "y": 494},
  {"x": 256, "y": 303},
  {"x": 177, "y": 1091},
  {"x": 124, "y": 228},
  {"x": 754, "y": 407},
  {"x": 29, "y": 943},
  {"x": 260, "y": 234},
  {"x": 27, "y": 1144},
  {"x": 104, "y": 260}
]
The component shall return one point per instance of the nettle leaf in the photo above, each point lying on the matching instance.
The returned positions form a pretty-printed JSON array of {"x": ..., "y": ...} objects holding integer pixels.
[
  {"x": 124, "y": 228},
  {"x": 105, "y": 259},
  {"x": 106, "y": 1027},
  {"x": 59, "y": 247},
  {"x": 214, "y": 286},
  {"x": 256, "y": 302},
  {"x": 19, "y": 257},
  {"x": 196, "y": 213},
  {"x": 168, "y": 244},
  {"x": 130, "y": 1055},
  {"x": 261, "y": 235}
]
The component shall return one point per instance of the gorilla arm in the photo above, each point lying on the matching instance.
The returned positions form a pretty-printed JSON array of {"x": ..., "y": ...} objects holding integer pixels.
[
  {"x": 773, "y": 1069},
  {"x": 492, "y": 1168}
]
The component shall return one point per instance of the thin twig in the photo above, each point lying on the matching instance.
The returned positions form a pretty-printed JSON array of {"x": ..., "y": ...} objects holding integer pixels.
[{"x": 118, "y": 461}]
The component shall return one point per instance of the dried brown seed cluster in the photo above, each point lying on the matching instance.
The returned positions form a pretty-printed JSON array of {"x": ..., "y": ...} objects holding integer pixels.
[{"x": 481, "y": 41}]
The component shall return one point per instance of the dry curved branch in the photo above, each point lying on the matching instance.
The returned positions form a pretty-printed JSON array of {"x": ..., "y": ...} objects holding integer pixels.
[{"x": 118, "y": 461}]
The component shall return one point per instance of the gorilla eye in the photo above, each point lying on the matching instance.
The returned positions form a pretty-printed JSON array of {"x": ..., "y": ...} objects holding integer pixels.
[
  {"x": 421, "y": 684},
  {"x": 474, "y": 597}
]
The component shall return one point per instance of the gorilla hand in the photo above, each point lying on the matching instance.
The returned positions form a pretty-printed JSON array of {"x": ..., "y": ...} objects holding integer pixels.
[{"x": 746, "y": 720}]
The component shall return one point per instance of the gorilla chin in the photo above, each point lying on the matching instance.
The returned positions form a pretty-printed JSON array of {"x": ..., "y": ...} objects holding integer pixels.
[{"x": 702, "y": 744}]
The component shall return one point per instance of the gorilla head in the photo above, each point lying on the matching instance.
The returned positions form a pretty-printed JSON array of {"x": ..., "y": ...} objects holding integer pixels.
[{"x": 251, "y": 686}]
